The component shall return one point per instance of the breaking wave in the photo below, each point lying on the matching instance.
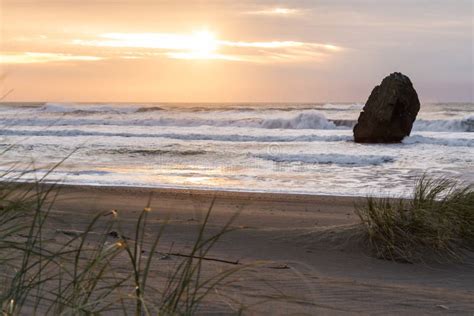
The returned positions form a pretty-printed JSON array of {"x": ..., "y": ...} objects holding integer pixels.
[
  {"x": 93, "y": 109},
  {"x": 69, "y": 107},
  {"x": 305, "y": 120},
  {"x": 154, "y": 115},
  {"x": 466, "y": 124},
  {"x": 414, "y": 139}
]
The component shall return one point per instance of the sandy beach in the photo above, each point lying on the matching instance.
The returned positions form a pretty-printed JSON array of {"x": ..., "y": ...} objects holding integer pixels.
[{"x": 305, "y": 253}]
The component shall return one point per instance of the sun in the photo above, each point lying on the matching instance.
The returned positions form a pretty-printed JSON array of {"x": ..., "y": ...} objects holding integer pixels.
[{"x": 202, "y": 44}]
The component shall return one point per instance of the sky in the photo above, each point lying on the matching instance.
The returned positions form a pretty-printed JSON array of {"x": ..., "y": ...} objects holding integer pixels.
[{"x": 233, "y": 51}]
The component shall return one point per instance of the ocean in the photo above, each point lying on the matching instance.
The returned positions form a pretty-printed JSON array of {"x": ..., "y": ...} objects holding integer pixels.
[{"x": 291, "y": 148}]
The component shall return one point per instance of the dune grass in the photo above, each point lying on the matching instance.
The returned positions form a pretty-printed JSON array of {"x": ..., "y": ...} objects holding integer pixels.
[
  {"x": 436, "y": 222},
  {"x": 78, "y": 275}
]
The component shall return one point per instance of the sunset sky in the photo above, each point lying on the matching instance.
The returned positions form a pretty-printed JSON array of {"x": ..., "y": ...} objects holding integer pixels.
[{"x": 233, "y": 51}]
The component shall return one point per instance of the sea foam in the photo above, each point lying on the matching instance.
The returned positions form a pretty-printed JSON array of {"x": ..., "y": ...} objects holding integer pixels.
[
  {"x": 466, "y": 124},
  {"x": 452, "y": 142}
]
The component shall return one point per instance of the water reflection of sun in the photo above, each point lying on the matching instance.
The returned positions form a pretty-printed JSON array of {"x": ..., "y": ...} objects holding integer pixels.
[{"x": 177, "y": 174}]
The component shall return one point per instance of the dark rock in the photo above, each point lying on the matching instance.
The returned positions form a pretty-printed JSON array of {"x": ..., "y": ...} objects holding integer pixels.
[{"x": 388, "y": 115}]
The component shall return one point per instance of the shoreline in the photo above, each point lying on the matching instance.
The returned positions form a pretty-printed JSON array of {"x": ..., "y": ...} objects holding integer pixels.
[
  {"x": 218, "y": 193},
  {"x": 193, "y": 191}
]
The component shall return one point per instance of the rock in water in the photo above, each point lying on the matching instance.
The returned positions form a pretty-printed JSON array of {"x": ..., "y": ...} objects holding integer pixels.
[{"x": 388, "y": 115}]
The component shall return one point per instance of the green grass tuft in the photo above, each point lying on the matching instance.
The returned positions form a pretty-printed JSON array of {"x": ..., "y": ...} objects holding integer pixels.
[{"x": 437, "y": 222}]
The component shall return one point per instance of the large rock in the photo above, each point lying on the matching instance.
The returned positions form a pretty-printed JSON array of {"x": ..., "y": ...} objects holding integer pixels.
[{"x": 389, "y": 113}]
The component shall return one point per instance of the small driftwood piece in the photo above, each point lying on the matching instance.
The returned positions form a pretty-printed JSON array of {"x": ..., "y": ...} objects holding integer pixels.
[{"x": 177, "y": 254}]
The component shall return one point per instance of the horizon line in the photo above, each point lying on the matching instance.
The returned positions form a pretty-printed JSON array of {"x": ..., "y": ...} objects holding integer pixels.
[{"x": 221, "y": 102}]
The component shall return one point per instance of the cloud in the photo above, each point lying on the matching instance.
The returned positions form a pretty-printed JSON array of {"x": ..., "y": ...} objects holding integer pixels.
[
  {"x": 34, "y": 57},
  {"x": 172, "y": 41},
  {"x": 205, "y": 45},
  {"x": 271, "y": 44},
  {"x": 278, "y": 11}
]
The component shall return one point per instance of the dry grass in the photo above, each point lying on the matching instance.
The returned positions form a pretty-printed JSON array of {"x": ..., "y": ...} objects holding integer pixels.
[
  {"x": 78, "y": 274},
  {"x": 436, "y": 222}
]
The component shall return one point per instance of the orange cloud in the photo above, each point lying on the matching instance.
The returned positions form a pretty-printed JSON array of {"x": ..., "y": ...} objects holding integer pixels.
[
  {"x": 34, "y": 57},
  {"x": 278, "y": 11}
]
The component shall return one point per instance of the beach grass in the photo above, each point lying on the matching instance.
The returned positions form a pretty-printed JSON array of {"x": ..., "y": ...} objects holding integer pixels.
[
  {"x": 77, "y": 273},
  {"x": 436, "y": 222}
]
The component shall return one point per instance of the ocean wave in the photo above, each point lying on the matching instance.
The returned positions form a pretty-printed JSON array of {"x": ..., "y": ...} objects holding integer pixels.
[
  {"x": 414, "y": 139},
  {"x": 305, "y": 120},
  {"x": 466, "y": 124},
  {"x": 72, "y": 108},
  {"x": 343, "y": 107},
  {"x": 191, "y": 136},
  {"x": 452, "y": 142},
  {"x": 57, "y": 107},
  {"x": 154, "y": 115},
  {"x": 149, "y": 109},
  {"x": 349, "y": 124},
  {"x": 339, "y": 159}
]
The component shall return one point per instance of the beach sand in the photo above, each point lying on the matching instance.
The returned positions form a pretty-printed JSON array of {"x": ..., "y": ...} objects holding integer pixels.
[{"x": 307, "y": 254}]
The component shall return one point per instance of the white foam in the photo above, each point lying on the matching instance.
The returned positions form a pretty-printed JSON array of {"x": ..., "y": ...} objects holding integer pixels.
[
  {"x": 139, "y": 117},
  {"x": 466, "y": 124},
  {"x": 453, "y": 142},
  {"x": 350, "y": 107},
  {"x": 305, "y": 120},
  {"x": 180, "y": 136}
]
